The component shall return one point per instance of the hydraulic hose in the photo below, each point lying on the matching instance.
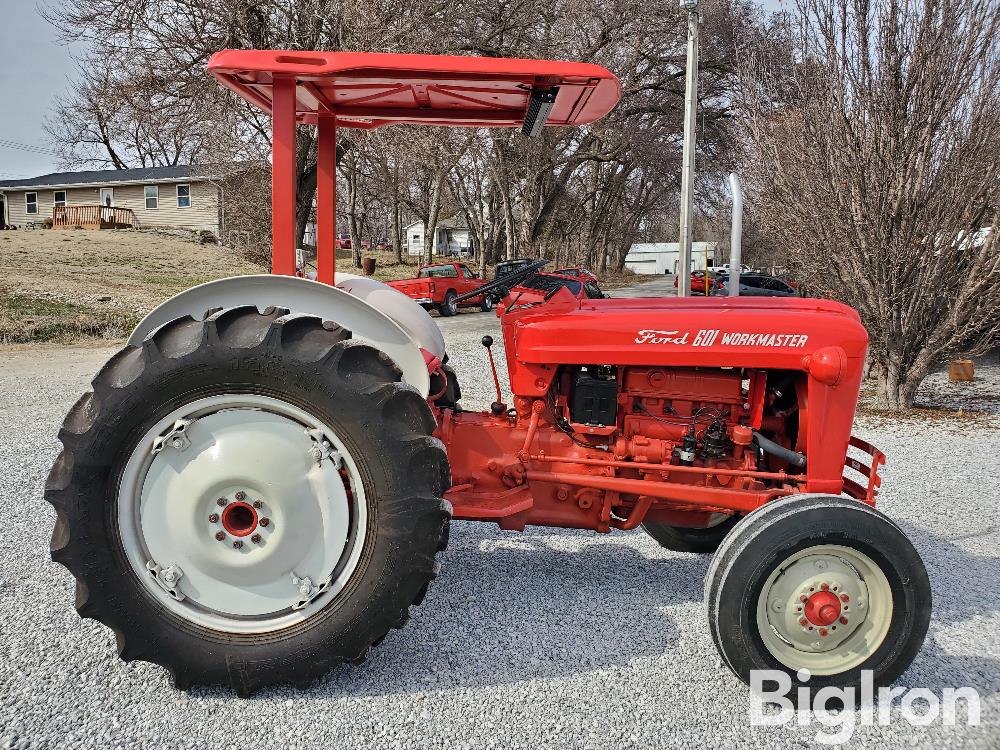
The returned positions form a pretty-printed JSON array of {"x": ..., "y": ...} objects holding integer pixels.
[{"x": 779, "y": 451}]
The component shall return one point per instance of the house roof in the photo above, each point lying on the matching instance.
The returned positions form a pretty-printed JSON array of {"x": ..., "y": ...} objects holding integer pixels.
[
  {"x": 177, "y": 173},
  {"x": 454, "y": 222}
]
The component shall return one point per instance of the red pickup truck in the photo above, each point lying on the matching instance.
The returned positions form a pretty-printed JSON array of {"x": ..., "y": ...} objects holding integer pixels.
[{"x": 439, "y": 285}]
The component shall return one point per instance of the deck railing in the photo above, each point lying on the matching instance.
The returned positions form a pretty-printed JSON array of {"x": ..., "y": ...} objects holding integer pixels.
[{"x": 93, "y": 216}]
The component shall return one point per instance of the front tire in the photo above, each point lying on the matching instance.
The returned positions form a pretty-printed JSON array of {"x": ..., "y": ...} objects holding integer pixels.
[
  {"x": 185, "y": 447},
  {"x": 487, "y": 304},
  {"x": 818, "y": 583}
]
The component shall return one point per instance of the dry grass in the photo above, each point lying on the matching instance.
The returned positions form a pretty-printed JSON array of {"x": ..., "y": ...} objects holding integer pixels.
[{"x": 69, "y": 284}]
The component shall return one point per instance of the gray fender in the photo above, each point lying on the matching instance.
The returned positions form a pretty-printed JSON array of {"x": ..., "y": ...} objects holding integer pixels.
[
  {"x": 367, "y": 323},
  {"x": 410, "y": 316}
]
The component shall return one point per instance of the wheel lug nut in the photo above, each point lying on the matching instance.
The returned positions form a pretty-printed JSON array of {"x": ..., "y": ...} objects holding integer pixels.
[
  {"x": 843, "y": 620},
  {"x": 824, "y": 586},
  {"x": 255, "y": 539},
  {"x": 214, "y": 518},
  {"x": 823, "y": 631},
  {"x": 803, "y": 621},
  {"x": 241, "y": 495},
  {"x": 803, "y": 598},
  {"x": 222, "y": 502},
  {"x": 237, "y": 544},
  {"x": 845, "y": 598},
  {"x": 265, "y": 522},
  {"x": 258, "y": 504},
  {"x": 219, "y": 535}
]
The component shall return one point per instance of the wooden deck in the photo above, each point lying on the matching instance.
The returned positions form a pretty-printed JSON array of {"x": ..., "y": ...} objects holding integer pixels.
[{"x": 93, "y": 216}]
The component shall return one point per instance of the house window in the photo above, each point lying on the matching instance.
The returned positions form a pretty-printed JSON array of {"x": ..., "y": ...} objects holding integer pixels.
[
  {"x": 31, "y": 203},
  {"x": 152, "y": 196},
  {"x": 59, "y": 198},
  {"x": 183, "y": 196}
]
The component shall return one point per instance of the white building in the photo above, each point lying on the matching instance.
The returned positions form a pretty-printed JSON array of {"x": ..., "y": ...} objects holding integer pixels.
[
  {"x": 661, "y": 257},
  {"x": 452, "y": 237}
]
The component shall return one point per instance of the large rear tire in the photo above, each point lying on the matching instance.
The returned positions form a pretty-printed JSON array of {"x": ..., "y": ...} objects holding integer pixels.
[
  {"x": 250, "y": 499},
  {"x": 818, "y": 583}
]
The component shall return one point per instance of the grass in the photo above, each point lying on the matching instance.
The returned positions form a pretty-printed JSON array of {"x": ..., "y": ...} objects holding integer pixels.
[
  {"x": 70, "y": 285},
  {"x": 26, "y": 319},
  {"x": 63, "y": 286}
]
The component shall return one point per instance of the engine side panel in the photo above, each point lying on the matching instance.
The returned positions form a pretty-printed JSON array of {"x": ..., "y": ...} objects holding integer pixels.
[{"x": 824, "y": 340}]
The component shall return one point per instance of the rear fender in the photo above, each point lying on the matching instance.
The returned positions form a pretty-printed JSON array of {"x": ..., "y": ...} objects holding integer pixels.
[{"x": 358, "y": 310}]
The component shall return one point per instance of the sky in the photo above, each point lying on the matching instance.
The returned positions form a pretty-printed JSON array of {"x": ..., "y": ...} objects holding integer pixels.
[{"x": 35, "y": 69}]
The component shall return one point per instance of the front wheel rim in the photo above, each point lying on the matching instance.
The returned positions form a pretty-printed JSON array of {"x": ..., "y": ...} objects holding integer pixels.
[
  {"x": 242, "y": 513},
  {"x": 827, "y": 609}
]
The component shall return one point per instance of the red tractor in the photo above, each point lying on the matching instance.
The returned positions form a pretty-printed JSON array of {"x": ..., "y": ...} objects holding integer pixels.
[{"x": 258, "y": 485}]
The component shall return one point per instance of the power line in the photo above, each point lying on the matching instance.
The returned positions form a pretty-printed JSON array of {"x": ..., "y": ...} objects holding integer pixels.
[{"x": 27, "y": 147}]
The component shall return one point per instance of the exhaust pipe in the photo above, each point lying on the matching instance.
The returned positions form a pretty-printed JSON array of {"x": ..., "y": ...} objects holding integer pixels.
[{"x": 736, "y": 236}]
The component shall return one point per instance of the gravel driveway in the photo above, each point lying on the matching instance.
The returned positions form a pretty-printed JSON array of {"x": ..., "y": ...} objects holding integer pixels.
[{"x": 549, "y": 638}]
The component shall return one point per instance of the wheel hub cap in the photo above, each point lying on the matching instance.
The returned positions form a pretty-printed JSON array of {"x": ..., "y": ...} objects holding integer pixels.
[
  {"x": 826, "y": 608},
  {"x": 822, "y": 608},
  {"x": 258, "y": 506},
  {"x": 239, "y": 519}
]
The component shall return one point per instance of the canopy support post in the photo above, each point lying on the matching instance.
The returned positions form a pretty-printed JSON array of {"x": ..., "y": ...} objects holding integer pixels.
[
  {"x": 283, "y": 182},
  {"x": 326, "y": 200}
]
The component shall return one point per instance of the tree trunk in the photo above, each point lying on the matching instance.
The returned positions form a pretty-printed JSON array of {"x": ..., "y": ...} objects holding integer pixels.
[
  {"x": 352, "y": 212},
  {"x": 433, "y": 213},
  {"x": 397, "y": 242},
  {"x": 897, "y": 383}
]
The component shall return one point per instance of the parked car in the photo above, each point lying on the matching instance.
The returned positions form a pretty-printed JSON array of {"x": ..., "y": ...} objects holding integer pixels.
[
  {"x": 536, "y": 288},
  {"x": 505, "y": 267},
  {"x": 438, "y": 285},
  {"x": 698, "y": 281},
  {"x": 757, "y": 285},
  {"x": 579, "y": 273}
]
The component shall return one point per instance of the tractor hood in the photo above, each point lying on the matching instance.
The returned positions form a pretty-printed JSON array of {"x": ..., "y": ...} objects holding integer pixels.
[{"x": 787, "y": 333}]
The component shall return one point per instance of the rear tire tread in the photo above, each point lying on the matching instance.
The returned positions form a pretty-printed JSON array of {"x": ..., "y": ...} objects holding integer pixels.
[{"x": 358, "y": 367}]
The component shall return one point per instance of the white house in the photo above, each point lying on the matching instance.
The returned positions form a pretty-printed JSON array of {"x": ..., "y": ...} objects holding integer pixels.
[
  {"x": 452, "y": 237},
  {"x": 182, "y": 196},
  {"x": 661, "y": 257}
]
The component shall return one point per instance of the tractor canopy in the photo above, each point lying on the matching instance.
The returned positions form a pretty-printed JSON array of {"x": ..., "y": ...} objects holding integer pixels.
[{"x": 368, "y": 90}]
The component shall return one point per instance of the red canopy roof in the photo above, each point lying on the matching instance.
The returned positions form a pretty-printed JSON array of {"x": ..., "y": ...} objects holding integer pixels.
[{"x": 368, "y": 90}]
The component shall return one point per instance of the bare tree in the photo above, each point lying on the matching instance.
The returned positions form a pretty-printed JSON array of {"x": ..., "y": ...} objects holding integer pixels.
[
  {"x": 874, "y": 161},
  {"x": 527, "y": 197}
]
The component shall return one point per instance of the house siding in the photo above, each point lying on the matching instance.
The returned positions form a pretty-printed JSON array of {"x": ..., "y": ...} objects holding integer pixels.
[{"x": 202, "y": 214}]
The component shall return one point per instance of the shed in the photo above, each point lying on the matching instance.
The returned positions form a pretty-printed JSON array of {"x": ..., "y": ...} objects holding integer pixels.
[{"x": 651, "y": 258}]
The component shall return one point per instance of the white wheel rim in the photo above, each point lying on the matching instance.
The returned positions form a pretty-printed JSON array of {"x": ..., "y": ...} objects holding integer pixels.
[
  {"x": 289, "y": 541},
  {"x": 826, "y": 609}
]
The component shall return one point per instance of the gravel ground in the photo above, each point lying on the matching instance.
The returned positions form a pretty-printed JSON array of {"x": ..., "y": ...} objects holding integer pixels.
[{"x": 542, "y": 639}]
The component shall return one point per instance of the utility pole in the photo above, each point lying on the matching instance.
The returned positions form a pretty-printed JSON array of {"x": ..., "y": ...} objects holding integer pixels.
[{"x": 687, "y": 165}]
